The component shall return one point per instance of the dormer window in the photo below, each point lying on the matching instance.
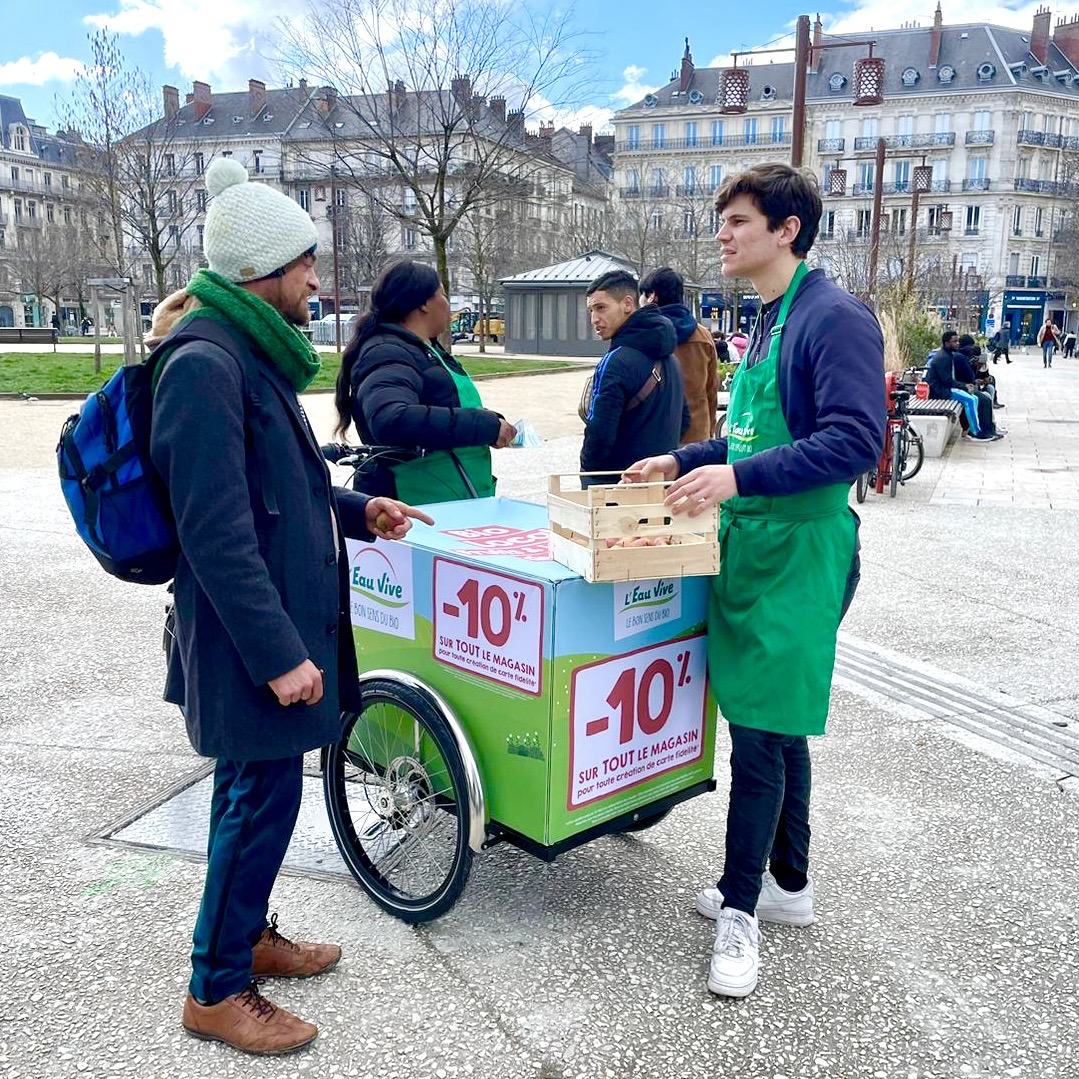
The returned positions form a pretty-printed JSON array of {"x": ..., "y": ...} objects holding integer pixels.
[
  {"x": 910, "y": 76},
  {"x": 19, "y": 140},
  {"x": 837, "y": 82},
  {"x": 768, "y": 93},
  {"x": 946, "y": 73},
  {"x": 986, "y": 72}
]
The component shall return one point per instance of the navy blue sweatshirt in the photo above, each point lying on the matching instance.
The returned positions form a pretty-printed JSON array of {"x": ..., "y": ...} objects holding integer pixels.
[
  {"x": 831, "y": 390},
  {"x": 614, "y": 436}
]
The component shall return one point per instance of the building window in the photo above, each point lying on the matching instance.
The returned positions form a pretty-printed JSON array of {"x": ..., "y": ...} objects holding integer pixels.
[
  {"x": 20, "y": 139},
  {"x": 174, "y": 236},
  {"x": 18, "y": 209},
  {"x": 974, "y": 220},
  {"x": 148, "y": 276},
  {"x": 691, "y": 134},
  {"x": 864, "y": 222},
  {"x": 171, "y": 201},
  {"x": 170, "y": 164},
  {"x": 717, "y": 132},
  {"x": 904, "y": 125},
  {"x": 340, "y": 197},
  {"x": 633, "y": 136},
  {"x": 199, "y": 163},
  {"x": 982, "y": 121},
  {"x": 408, "y": 239},
  {"x": 67, "y": 215},
  {"x": 199, "y": 230},
  {"x": 305, "y": 198},
  {"x": 200, "y": 200},
  {"x": 902, "y": 176},
  {"x": 655, "y": 222},
  {"x": 659, "y": 136},
  {"x": 256, "y": 162},
  {"x": 1039, "y": 222},
  {"x": 1017, "y": 221},
  {"x": 976, "y": 168},
  {"x": 48, "y": 179},
  {"x": 689, "y": 180},
  {"x": 867, "y": 177},
  {"x": 870, "y": 127},
  {"x": 659, "y": 183},
  {"x": 14, "y": 174},
  {"x": 65, "y": 182},
  {"x": 1022, "y": 168},
  {"x": 50, "y": 214},
  {"x": 827, "y": 222},
  {"x": 31, "y": 211},
  {"x": 633, "y": 180},
  {"x": 689, "y": 223},
  {"x": 749, "y": 129},
  {"x": 833, "y": 129},
  {"x": 779, "y": 124},
  {"x": 1035, "y": 265},
  {"x": 715, "y": 176},
  {"x": 942, "y": 122},
  {"x": 1013, "y": 264},
  {"x": 899, "y": 221}
]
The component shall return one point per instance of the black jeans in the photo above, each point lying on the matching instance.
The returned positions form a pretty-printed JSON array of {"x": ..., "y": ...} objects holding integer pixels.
[{"x": 768, "y": 818}]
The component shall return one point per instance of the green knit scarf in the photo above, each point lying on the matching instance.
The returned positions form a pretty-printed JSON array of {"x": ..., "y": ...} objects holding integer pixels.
[{"x": 281, "y": 342}]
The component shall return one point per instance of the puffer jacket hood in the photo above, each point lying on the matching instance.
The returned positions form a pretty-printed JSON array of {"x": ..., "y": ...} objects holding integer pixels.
[
  {"x": 648, "y": 332},
  {"x": 682, "y": 320}
]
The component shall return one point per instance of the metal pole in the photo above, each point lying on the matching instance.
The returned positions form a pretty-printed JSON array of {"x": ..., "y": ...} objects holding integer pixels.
[
  {"x": 913, "y": 240},
  {"x": 874, "y": 244},
  {"x": 801, "y": 67}
]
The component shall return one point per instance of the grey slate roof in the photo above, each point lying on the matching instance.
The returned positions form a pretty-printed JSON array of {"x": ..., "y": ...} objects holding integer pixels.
[
  {"x": 582, "y": 270},
  {"x": 964, "y": 48}
]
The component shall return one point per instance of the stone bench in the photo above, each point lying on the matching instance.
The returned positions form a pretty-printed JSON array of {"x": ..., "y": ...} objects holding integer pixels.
[
  {"x": 26, "y": 335},
  {"x": 936, "y": 421}
]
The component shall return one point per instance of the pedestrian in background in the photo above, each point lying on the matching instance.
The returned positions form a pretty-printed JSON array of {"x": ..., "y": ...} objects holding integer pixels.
[
  {"x": 694, "y": 350},
  {"x": 1049, "y": 339}
]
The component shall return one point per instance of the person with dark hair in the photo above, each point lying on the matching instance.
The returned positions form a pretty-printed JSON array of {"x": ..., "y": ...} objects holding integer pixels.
[
  {"x": 984, "y": 382},
  {"x": 806, "y": 417},
  {"x": 638, "y": 406},
  {"x": 1048, "y": 341},
  {"x": 999, "y": 343},
  {"x": 694, "y": 350},
  {"x": 402, "y": 389},
  {"x": 951, "y": 378},
  {"x": 261, "y": 660}
]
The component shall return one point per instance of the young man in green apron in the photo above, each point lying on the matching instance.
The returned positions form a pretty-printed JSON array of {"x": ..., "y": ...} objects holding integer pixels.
[{"x": 806, "y": 416}]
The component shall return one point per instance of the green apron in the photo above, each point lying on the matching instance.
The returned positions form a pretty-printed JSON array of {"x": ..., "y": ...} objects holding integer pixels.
[
  {"x": 775, "y": 605},
  {"x": 448, "y": 475}
]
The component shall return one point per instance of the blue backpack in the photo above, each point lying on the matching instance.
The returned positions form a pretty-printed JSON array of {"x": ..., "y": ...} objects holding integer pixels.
[{"x": 119, "y": 503}]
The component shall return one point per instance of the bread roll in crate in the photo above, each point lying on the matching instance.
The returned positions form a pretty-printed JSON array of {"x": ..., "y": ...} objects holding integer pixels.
[{"x": 624, "y": 532}]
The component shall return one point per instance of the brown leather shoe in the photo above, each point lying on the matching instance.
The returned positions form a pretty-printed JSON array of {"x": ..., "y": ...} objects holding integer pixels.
[
  {"x": 275, "y": 956},
  {"x": 249, "y": 1022}
]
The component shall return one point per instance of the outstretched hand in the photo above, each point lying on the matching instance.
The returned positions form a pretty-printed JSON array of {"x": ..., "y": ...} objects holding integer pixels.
[
  {"x": 698, "y": 491},
  {"x": 389, "y": 519},
  {"x": 663, "y": 467}
]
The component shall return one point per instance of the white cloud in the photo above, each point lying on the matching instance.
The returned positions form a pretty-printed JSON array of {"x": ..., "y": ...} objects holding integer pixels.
[
  {"x": 633, "y": 89},
  {"x": 45, "y": 68},
  {"x": 891, "y": 14}
]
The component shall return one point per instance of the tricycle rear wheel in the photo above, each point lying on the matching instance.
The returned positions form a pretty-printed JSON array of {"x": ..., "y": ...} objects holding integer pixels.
[{"x": 396, "y": 796}]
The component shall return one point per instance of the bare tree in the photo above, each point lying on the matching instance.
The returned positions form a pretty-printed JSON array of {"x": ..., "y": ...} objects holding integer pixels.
[
  {"x": 40, "y": 264},
  {"x": 133, "y": 165},
  {"x": 362, "y": 246},
  {"x": 414, "y": 99}
]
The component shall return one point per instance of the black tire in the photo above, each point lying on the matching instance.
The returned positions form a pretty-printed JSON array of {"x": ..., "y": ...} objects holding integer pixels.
[
  {"x": 862, "y": 486},
  {"x": 914, "y": 457},
  {"x": 397, "y": 800},
  {"x": 896, "y": 464}
]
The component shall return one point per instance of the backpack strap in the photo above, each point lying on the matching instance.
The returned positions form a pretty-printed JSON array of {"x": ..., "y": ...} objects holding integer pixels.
[
  {"x": 205, "y": 328},
  {"x": 654, "y": 380}
]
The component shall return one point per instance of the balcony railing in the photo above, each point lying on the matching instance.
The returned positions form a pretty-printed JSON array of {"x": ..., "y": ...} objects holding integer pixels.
[
  {"x": 976, "y": 183},
  {"x": 973, "y": 230},
  {"x": 862, "y": 190},
  {"x": 653, "y": 191},
  {"x": 30, "y": 222},
  {"x": 1046, "y": 187},
  {"x": 830, "y": 146},
  {"x": 898, "y": 142},
  {"x": 980, "y": 138},
  {"x": 762, "y": 139},
  {"x": 690, "y": 191},
  {"x": 857, "y": 236}
]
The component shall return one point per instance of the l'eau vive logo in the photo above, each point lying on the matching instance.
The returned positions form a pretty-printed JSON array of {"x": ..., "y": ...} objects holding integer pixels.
[
  {"x": 643, "y": 594},
  {"x": 373, "y": 576}
]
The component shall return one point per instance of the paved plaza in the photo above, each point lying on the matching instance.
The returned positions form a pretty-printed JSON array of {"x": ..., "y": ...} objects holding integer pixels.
[{"x": 946, "y": 821}]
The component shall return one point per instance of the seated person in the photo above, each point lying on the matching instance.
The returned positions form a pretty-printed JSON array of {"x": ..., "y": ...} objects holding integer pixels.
[
  {"x": 947, "y": 377},
  {"x": 983, "y": 380}
]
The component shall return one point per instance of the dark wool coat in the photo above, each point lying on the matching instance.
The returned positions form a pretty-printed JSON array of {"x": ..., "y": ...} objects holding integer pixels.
[
  {"x": 260, "y": 586},
  {"x": 402, "y": 396}
]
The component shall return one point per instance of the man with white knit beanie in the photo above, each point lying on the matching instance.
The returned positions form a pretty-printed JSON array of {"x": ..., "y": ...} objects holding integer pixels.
[{"x": 262, "y": 662}]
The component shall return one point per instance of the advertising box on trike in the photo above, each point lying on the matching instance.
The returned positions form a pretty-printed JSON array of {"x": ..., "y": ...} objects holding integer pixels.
[{"x": 506, "y": 698}]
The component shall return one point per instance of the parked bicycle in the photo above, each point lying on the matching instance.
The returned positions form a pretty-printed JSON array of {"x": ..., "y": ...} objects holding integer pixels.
[{"x": 903, "y": 453}]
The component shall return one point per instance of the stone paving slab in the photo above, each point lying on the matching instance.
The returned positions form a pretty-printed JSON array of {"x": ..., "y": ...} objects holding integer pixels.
[{"x": 947, "y": 942}]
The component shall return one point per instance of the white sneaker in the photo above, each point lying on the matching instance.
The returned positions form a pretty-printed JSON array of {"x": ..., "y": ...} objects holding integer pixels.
[
  {"x": 774, "y": 904},
  {"x": 735, "y": 954}
]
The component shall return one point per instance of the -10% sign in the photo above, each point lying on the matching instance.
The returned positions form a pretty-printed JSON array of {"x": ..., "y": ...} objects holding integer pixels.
[
  {"x": 490, "y": 624},
  {"x": 636, "y": 716}
]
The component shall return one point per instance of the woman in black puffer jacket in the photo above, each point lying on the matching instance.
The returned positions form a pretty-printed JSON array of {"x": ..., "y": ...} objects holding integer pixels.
[{"x": 401, "y": 388}]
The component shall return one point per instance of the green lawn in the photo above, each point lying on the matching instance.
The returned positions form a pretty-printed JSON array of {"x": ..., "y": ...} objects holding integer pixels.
[{"x": 70, "y": 372}]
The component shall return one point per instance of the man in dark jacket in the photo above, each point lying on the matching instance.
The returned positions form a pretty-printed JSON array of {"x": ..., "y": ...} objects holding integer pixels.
[
  {"x": 262, "y": 661},
  {"x": 951, "y": 378},
  {"x": 695, "y": 350},
  {"x": 638, "y": 406}
]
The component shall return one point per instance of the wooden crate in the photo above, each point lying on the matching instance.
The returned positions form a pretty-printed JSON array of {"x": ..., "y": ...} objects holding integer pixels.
[{"x": 581, "y": 522}]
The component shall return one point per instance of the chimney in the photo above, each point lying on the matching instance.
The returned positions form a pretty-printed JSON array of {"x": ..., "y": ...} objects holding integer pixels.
[
  {"x": 303, "y": 84},
  {"x": 605, "y": 144},
  {"x": 203, "y": 99},
  {"x": 475, "y": 109},
  {"x": 256, "y": 97},
  {"x": 172, "y": 101},
  {"x": 546, "y": 130},
  {"x": 1066, "y": 38},
  {"x": 326, "y": 100},
  {"x": 515, "y": 121},
  {"x": 815, "y": 49},
  {"x": 461, "y": 88},
  {"x": 1039, "y": 35},
  {"x": 398, "y": 95},
  {"x": 685, "y": 76},
  {"x": 498, "y": 108},
  {"x": 585, "y": 131},
  {"x": 934, "y": 39}
]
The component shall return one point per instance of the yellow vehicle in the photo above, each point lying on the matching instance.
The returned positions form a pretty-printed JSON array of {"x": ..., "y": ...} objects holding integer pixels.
[{"x": 492, "y": 328}]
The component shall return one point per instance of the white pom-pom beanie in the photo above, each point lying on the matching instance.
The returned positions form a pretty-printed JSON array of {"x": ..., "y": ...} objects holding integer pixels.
[{"x": 251, "y": 229}]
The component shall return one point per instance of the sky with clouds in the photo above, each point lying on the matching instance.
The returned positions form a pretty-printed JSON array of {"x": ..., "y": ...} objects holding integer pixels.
[{"x": 634, "y": 45}]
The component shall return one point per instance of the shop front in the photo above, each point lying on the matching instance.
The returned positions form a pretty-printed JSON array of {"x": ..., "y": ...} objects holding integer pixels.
[{"x": 1022, "y": 313}]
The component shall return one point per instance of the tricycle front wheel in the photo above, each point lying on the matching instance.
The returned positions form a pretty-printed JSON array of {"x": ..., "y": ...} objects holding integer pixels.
[{"x": 396, "y": 795}]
